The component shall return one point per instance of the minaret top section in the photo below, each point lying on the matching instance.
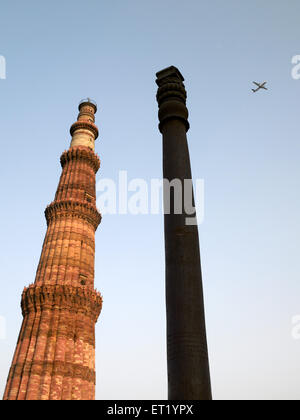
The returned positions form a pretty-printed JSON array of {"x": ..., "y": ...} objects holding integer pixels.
[
  {"x": 88, "y": 102},
  {"x": 84, "y": 131}
]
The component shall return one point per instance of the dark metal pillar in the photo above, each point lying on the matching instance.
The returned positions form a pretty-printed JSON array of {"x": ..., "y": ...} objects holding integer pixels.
[{"x": 188, "y": 366}]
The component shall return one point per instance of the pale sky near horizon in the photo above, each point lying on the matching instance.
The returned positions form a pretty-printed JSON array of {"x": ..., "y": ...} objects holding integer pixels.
[{"x": 244, "y": 146}]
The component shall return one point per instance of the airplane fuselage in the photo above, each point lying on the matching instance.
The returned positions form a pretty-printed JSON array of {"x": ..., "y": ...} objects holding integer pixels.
[{"x": 259, "y": 86}]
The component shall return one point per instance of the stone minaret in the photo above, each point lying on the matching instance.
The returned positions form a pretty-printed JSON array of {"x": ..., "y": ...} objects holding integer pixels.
[
  {"x": 188, "y": 367},
  {"x": 55, "y": 354}
]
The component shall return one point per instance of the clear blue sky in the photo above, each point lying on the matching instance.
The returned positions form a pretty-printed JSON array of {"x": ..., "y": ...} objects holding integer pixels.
[{"x": 246, "y": 147}]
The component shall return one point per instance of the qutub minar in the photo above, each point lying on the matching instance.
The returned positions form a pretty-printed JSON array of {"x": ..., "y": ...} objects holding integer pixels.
[{"x": 55, "y": 353}]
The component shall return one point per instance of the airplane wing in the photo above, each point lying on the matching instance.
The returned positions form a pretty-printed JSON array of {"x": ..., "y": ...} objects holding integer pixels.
[{"x": 257, "y": 84}]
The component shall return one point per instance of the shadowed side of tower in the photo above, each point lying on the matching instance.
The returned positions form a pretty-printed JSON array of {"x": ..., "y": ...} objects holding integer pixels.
[
  {"x": 187, "y": 355},
  {"x": 55, "y": 353}
]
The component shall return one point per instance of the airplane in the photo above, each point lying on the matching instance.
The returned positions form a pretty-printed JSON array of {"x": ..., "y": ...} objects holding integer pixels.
[{"x": 260, "y": 86}]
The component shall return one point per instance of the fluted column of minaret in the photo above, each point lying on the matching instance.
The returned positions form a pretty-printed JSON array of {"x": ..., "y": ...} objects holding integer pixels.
[{"x": 55, "y": 353}]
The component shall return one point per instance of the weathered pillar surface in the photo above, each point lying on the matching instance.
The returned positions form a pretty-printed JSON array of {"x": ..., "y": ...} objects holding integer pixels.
[
  {"x": 188, "y": 366},
  {"x": 55, "y": 354}
]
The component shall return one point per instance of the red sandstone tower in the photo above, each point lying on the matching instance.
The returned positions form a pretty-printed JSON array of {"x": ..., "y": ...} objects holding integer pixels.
[{"x": 55, "y": 354}]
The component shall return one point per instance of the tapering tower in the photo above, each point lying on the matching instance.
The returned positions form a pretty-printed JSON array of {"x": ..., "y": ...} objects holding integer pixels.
[
  {"x": 188, "y": 367},
  {"x": 55, "y": 354}
]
